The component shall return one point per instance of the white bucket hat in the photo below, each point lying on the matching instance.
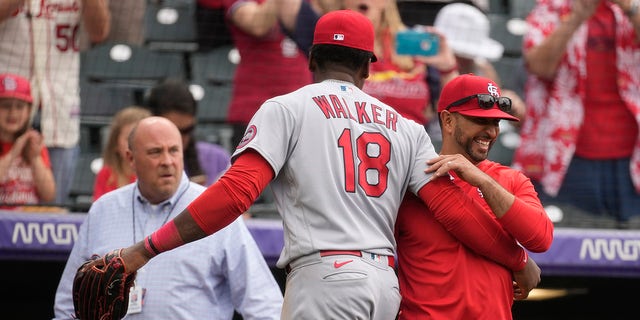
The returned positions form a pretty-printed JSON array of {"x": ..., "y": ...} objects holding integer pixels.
[{"x": 467, "y": 31}]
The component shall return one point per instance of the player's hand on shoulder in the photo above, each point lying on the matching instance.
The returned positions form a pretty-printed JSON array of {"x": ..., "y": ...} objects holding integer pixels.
[{"x": 464, "y": 169}]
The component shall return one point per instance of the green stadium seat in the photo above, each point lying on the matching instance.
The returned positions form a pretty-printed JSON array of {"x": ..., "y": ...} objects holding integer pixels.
[
  {"x": 507, "y": 31},
  {"x": 215, "y": 67},
  {"x": 114, "y": 75},
  {"x": 171, "y": 26}
]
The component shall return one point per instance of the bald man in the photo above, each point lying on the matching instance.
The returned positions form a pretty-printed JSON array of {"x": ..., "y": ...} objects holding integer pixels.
[{"x": 211, "y": 276}]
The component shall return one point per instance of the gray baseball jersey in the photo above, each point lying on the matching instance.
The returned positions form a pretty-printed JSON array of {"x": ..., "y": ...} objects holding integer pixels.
[{"x": 343, "y": 161}]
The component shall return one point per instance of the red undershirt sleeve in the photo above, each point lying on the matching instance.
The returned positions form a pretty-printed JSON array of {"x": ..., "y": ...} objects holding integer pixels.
[
  {"x": 530, "y": 225},
  {"x": 470, "y": 224},
  {"x": 233, "y": 193},
  {"x": 221, "y": 203}
]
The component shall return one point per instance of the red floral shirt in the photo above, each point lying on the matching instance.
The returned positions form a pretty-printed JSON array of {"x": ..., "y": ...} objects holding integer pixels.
[{"x": 555, "y": 108}]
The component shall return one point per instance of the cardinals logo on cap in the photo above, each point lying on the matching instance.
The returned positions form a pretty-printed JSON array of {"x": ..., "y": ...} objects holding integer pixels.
[
  {"x": 15, "y": 87},
  {"x": 9, "y": 84},
  {"x": 493, "y": 90}
]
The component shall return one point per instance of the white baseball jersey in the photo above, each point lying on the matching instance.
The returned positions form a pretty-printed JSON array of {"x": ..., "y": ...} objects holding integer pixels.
[
  {"x": 40, "y": 43},
  {"x": 343, "y": 161}
]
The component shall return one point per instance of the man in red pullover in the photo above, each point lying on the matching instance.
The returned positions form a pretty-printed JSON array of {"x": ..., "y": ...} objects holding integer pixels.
[{"x": 440, "y": 277}]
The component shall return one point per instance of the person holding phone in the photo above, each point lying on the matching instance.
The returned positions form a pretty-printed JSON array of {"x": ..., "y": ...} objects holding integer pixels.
[
  {"x": 402, "y": 80},
  {"x": 409, "y": 82},
  {"x": 25, "y": 169}
]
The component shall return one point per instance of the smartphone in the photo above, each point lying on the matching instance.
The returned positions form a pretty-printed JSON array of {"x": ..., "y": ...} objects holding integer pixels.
[{"x": 417, "y": 43}]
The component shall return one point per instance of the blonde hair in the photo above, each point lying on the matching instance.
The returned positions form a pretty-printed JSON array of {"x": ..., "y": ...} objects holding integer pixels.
[
  {"x": 110, "y": 155},
  {"x": 392, "y": 23}
]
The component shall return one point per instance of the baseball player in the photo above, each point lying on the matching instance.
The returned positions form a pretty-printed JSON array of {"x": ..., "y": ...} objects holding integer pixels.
[{"x": 339, "y": 162}]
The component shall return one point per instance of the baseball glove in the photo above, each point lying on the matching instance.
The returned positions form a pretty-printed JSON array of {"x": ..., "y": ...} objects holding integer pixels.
[{"x": 101, "y": 288}]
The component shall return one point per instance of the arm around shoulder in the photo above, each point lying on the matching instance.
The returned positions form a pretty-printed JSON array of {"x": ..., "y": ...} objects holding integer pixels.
[{"x": 470, "y": 224}]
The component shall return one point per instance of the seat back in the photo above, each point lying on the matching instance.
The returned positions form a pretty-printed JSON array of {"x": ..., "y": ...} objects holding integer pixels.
[
  {"x": 115, "y": 75},
  {"x": 213, "y": 73},
  {"x": 171, "y": 26}
]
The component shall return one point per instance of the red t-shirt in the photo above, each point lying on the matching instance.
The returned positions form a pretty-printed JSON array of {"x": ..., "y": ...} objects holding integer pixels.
[
  {"x": 18, "y": 186},
  {"x": 269, "y": 66},
  {"x": 609, "y": 129},
  {"x": 102, "y": 184},
  {"x": 212, "y": 4},
  {"x": 439, "y": 277},
  {"x": 405, "y": 91}
]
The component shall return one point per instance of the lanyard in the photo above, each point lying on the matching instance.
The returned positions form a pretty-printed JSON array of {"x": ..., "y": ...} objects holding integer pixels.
[{"x": 133, "y": 210}]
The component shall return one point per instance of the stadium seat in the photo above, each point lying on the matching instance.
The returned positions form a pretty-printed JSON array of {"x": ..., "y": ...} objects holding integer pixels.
[
  {"x": 99, "y": 102},
  {"x": 499, "y": 6},
  {"x": 113, "y": 76},
  {"x": 171, "y": 26},
  {"x": 508, "y": 31},
  {"x": 212, "y": 74},
  {"x": 520, "y": 8},
  {"x": 214, "y": 103},
  {"x": 505, "y": 146},
  {"x": 81, "y": 193},
  {"x": 129, "y": 65},
  {"x": 215, "y": 67},
  {"x": 512, "y": 73}
]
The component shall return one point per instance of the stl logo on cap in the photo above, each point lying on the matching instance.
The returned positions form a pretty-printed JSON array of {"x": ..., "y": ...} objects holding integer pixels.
[
  {"x": 493, "y": 90},
  {"x": 9, "y": 84},
  {"x": 15, "y": 87},
  {"x": 474, "y": 96}
]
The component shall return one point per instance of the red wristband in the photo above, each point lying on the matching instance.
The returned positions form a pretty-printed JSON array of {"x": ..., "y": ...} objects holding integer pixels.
[
  {"x": 148, "y": 244},
  {"x": 163, "y": 239}
]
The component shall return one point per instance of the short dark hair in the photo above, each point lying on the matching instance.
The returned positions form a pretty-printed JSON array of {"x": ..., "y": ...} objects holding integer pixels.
[
  {"x": 351, "y": 58},
  {"x": 171, "y": 94}
]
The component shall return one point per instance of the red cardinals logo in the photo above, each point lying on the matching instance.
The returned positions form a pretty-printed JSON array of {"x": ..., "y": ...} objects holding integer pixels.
[{"x": 249, "y": 134}]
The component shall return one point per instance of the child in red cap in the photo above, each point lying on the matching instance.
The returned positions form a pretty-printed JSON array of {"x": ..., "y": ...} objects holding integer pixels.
[{"x": 25, "y": 170}]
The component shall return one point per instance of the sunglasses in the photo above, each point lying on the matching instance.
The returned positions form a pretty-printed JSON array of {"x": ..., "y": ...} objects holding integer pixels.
[{"x": 485, "y": 101}]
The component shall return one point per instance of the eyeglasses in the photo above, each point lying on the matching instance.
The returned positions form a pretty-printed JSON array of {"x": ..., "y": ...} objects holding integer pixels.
[{"x": 485, "y": 101}]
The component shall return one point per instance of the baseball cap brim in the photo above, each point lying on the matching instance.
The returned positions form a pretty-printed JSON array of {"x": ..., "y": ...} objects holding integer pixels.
[
  {"x": 16, "y": 95},
  {"x": 493, "y": 113}
]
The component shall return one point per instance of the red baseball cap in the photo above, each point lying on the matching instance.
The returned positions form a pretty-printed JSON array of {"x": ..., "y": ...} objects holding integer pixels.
[
  {"x": 468, "y": 85},
  {"x": 345, "y": 28},
  {"x": 14, "y": 86}
]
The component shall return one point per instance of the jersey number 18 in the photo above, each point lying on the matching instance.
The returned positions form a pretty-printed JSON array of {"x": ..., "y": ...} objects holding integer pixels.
[{"x": 373, "y": 151}]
